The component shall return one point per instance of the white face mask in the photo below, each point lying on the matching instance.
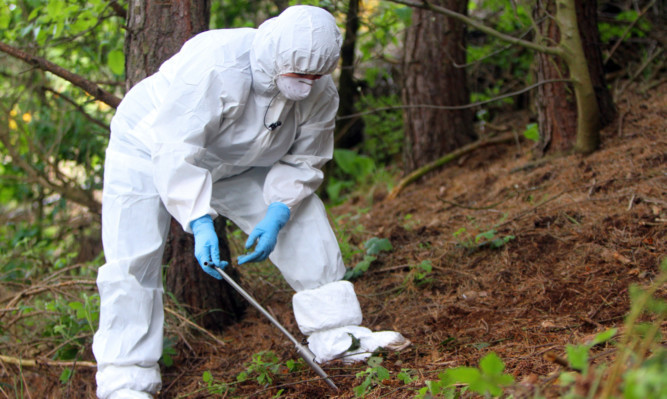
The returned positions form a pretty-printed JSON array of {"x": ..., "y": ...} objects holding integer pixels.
[{"x": 295, "y": 89}]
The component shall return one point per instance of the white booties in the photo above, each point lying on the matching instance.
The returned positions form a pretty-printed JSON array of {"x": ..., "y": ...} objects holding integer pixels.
[
  {"x": 130, "y": 394},
  {"x": 130, "y": 382},
  {"x": 330, "y": 316}
]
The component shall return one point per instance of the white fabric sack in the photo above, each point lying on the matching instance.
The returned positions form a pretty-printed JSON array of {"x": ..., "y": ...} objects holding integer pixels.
[{"x": 329, "y": 306}]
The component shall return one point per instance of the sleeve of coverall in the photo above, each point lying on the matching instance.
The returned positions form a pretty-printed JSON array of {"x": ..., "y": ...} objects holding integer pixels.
[
  {"x": 193, "y": 107},
  {"x": 299, "y": 173}
]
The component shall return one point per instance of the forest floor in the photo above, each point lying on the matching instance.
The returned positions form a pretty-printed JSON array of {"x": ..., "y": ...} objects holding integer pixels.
[{"x": 584, "y": 229}]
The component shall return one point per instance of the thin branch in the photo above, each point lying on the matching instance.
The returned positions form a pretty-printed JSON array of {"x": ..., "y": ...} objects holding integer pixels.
[
  {"x": 43, "y": 362},
  {"x": 454, "y": 107},
  {"x": 33, "y": 290},
  {"x": 640, "y": 70},
  {"x": 41, "y": 177},
  {"x": 118, "y": 9},
  {"x": 418, "y": 173},
  {"x": 557, "y": 51},
  {"x": 78, "y": 108},
  {"x": 77, "y": 80},
  {"x": 492, "y": 54},
  {"x": 194, "y": 325},
  {"x": 625, "y": 33}
]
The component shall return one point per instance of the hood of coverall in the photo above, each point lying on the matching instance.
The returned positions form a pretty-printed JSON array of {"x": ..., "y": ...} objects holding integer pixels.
[{"x": 302, "y": 39}]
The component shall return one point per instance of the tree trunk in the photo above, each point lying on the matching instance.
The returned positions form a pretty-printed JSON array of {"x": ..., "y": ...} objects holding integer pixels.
[
  {"x": 152, "y": 37},
  {"x": 350, "y": 132},
  {"x": 556, "y": 103},
  {"x": 434, "y": 44}
]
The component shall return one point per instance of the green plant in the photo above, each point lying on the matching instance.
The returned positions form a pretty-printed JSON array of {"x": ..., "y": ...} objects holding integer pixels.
[
  {"x": 641, "y": 356},
  {"x": 373, "y": 246},
  {"x": 487, "y": 238},
  {"x": 488, "y": 379},
  {"x": 419, "y": 273},
  {"x": 347, "y": 228},
  {"x": 216, "y": 388},
  {"x": 383, "y": 131},
  {"x": 372, "y": 376},
  {"x": 74, "y": 323},
  {"x": 263, "y": 367},
  {"x": 640, "y": 363},
  {"x": 168, "y": 350},
  {"x": 532, "y": 132}
]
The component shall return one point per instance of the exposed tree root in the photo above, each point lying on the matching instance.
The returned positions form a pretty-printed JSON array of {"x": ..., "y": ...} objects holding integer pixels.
[{"x": 418, "y": 173}]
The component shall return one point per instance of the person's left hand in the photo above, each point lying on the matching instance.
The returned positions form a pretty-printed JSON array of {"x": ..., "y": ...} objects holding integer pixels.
[{"x": 265, "y": 234}]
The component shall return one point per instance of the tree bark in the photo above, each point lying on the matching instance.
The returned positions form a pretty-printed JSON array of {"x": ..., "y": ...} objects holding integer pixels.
[
  {"x": 556, "y": 103},
  {"x": 434, "y": 44},
  {"x": 156, "y": 30}
]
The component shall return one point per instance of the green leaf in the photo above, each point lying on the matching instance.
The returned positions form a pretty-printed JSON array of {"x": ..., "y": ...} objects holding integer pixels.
[
  {"x": 604, "y": 336},
  {"x": 532, "y": 132},
  {"x": 382, "y": 373},
  {"x": 207, "y": 377},
  {"x": 461, "y": 375},
  {"x": 577, "y": 356},
  {"x": 405, "y": 14},
  {"x": 116, "y": 62},
  {"x": 358, "y": 166},
  {"x": 66, "y": 375},
  {"x": 5, "y": 17},
  {"x": 374, "y": 361},
  {"x": 376, "y": 245},
  {"x": 491, "y": 364},
  {"x": 356, "y": 344},
  {"x": 488, "y": 235}
]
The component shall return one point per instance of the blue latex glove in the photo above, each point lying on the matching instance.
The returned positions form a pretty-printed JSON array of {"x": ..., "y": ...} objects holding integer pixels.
[
  {"x": 207, "y": 249},
  {"x": 266, "y": 233}
]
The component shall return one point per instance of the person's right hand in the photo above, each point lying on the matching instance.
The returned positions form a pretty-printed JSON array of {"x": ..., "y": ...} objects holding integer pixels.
[{"x": 207, "y": 249}]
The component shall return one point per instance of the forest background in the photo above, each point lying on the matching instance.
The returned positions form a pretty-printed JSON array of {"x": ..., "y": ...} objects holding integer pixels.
[{"x": 517, "y": 244}]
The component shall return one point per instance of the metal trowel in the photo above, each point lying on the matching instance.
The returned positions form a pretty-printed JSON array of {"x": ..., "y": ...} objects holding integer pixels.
[{"x": 302, "y": 350}]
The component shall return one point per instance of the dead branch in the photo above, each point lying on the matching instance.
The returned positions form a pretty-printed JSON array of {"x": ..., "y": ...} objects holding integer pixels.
[
  {"x": 33, "y": 290},
  {"x": 44, "y": 362},
  {"x": 77, "y": 80},
  {"x": 194, "y": 325},
  {"x": 417, "y": 174}
]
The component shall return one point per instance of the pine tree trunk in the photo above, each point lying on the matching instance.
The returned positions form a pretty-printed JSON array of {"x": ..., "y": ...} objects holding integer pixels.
[
  {"x": 556, "y": 102},
  {"x": 156, "y": 30},
  {"x": 434, "y": 44},
  {"x": 349, "y": 132}
]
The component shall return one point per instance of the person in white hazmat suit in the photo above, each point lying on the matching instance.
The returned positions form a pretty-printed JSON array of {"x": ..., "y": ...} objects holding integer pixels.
[{"x": 238, "y": 123}]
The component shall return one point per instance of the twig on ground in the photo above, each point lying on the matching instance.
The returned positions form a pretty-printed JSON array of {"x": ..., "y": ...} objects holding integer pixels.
[
  {"x": 33, "y": 290},
  {"x": 631, "y": 202},
  {"x": 44, "y": 362},
  {"x": 533, "y": 209},
  {"x": 194, "y": 325},
  {"x": 483, "y": 208}
]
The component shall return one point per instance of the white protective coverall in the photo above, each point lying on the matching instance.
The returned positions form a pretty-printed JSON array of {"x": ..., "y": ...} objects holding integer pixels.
[{"x": 194, "y": 139}]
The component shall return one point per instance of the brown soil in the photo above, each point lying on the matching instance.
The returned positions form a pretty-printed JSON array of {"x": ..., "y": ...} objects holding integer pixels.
[{"x": 584, "y": 229}]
